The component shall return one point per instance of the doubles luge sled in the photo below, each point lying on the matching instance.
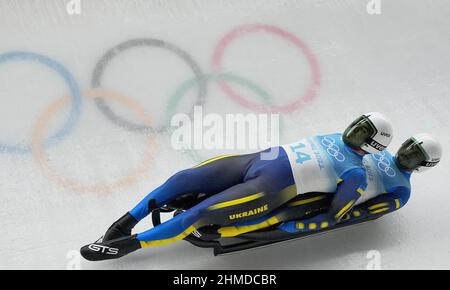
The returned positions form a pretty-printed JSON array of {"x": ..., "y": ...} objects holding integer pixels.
[
  {"x": 209, "y": 236},
  {"x": 240, "y": 236}
]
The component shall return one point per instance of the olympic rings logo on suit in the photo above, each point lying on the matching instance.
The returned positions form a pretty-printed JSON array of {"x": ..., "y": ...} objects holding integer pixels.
[
  {"x": 384, "y": 165},
  {"x": 333, "y": 149},
  {"x": 101, "y": 96}
]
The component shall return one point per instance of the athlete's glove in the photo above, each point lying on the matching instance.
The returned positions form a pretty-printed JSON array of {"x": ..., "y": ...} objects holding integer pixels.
[{"x": 319, "y": 222}]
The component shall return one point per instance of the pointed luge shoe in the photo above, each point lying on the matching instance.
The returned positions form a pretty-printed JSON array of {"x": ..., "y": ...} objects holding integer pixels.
[
  {"x": 121, "y": 228},
  {"x": 108, "y": 250}
]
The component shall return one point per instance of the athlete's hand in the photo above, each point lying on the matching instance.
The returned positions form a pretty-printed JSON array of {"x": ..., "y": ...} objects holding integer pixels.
[{"x": 319, "y": 222}]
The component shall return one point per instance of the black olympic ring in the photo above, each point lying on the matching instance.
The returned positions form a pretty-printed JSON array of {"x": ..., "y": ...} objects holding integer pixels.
[{"x": 116, "y": 50}]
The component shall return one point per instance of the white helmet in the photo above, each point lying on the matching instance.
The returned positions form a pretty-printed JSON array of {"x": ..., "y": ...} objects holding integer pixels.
[
  {"x": 371, "y": 132},
  {"x": 419, "y": 153}
]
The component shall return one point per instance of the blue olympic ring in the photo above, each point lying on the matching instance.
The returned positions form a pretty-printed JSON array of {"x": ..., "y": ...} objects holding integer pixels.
[{"x": 74, "y": 92}]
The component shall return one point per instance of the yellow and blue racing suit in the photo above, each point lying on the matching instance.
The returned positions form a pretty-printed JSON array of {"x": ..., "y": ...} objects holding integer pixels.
[
  {"x": 388, "y": 187},
  {"x": 243, "y": 188},
  {"x": 388, "y": 190}
]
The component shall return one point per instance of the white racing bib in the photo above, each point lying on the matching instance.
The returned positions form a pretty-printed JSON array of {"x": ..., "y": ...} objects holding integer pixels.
[{"x": 311, "y": 168}]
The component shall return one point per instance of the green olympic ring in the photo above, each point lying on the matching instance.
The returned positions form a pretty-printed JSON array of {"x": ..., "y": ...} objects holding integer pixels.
[{"x": 185, "y": 87}]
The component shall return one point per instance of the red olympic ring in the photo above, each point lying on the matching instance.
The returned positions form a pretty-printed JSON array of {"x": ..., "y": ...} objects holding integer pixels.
[{"x": 253, "y": 28}]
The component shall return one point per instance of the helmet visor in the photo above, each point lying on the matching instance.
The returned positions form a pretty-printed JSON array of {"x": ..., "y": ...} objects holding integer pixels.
[
  {"x": 411, "y": 155},
  {"x": 359, "y": 132}
]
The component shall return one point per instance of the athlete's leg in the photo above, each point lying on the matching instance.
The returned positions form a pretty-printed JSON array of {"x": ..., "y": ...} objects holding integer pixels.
[
  {"x": 217, "y": 209},
  {"x": 210, "y": 177},
  {"x": 298, "y": 208},
  {"x": 222, "y": 209},
  {"x": 267, "y": 186}
]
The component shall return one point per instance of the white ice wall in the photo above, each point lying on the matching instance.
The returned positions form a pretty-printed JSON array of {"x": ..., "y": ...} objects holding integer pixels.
[{"x": 396, "y": 62}]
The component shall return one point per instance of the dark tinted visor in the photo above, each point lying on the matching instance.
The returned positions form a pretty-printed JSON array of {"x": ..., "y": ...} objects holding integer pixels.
[
  {"x": 359, "y": 132},
  {"x": 411, "y": 155}
]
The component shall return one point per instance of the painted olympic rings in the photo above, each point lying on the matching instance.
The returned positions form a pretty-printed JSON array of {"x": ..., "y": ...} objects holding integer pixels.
[
  {"x": 74, "y": 94},
  {"x": 103, "y": 97},
  {"x": 254, "y": 28},
  {"x": 42, "y": 159},
  {"x": 188, "y": 85},
  {"x": 150, "y": 42}
]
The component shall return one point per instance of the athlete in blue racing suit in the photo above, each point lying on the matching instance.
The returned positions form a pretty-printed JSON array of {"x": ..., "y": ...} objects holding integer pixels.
[
  {"x": 258, "y": 186},
  {"x": 388, "y": 188}
]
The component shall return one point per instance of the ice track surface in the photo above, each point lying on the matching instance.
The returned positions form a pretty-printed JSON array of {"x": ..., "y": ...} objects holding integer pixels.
[{"x": 71, "y": 162}]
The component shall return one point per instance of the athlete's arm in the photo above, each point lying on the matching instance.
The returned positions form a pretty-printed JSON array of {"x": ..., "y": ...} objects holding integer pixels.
[
  {"x": 385, "y": 203},
  {"x": 349, "y": 191}
]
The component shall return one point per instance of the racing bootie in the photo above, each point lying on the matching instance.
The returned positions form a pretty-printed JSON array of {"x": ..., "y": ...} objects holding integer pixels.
[
  {"x": 121, "y": 228},
  {"x": 108, "y": 250}
]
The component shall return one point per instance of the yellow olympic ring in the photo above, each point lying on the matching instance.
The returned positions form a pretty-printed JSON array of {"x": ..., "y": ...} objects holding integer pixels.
[{"x": 42, "y": 158}]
